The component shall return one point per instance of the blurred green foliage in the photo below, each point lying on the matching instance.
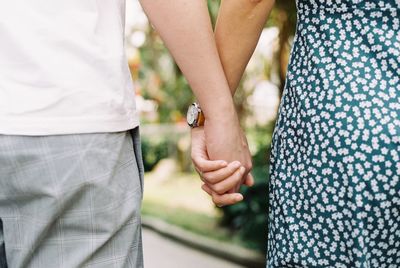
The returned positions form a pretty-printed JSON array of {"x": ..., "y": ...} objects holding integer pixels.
[
  {"x": 154, "y": 150},
  {"x": 163, "y": 81}
]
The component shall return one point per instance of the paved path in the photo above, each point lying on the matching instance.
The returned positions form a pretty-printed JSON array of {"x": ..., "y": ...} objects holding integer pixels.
[{"x": 162, "y": 252}]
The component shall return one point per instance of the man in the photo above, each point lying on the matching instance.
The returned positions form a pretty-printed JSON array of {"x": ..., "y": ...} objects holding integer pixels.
[
  {"x": 71, "y": 176},
  {"x": 70, "y": 161}
]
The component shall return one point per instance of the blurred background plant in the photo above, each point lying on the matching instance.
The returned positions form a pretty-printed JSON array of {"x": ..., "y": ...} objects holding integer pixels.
[{"x": 163, "y": 95}]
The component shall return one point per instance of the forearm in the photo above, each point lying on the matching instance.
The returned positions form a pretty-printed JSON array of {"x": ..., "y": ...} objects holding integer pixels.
[
  {"x": 185, "y": 27},
  {"x": 238, "y": 29}
]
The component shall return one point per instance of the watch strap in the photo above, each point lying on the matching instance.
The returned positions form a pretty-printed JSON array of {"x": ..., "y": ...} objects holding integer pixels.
[{"x": 201, "y": 119}]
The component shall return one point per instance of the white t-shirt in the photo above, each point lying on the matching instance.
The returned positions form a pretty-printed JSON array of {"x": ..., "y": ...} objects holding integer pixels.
[{"x": 63, "y": 68}]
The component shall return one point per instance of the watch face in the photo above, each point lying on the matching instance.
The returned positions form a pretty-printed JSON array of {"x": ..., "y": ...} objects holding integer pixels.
[{"x": 192, "y": 115}]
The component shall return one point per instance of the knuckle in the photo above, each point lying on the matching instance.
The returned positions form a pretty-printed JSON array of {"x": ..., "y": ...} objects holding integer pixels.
[
  {"x": 194, "y": 159},
  {"x": 209, "y": 177},
  {"x": 206, "y": 192},
  {"x": 249, "y": 166},
  {"x": 233, "y": 169},
  {"x": 199, "y": 166},
  {"x": 215, "y": 200},
  {"x": 219, "y": 189}
]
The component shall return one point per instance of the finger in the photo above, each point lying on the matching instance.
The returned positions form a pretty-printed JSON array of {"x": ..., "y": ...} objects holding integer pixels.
[
  {"x": 216, "y": 176},
  {"x": 223, "y": 200},
  {"x": 232, "y": 182},
  {"x": 199, "y": 172},
  {"x": 205, "y": 165},
  {"x": 206, "y": 189},
  {"x": 236, "y": 189},
  {"x": 226, "y": 199},
  {"x": 249, "y": 181}
]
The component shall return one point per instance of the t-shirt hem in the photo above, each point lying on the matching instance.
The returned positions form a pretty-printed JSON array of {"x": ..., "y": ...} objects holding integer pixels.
[{"x": 65, "y": 126}]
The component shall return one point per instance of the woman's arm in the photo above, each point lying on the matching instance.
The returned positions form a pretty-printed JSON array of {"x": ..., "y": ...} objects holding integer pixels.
[
  {"x": 238, "y": 29},
  {"x": 237, "y": 32}
]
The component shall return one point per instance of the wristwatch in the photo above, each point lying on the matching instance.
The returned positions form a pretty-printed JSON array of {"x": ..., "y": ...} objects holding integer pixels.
[{"x": 195, "y": 117}]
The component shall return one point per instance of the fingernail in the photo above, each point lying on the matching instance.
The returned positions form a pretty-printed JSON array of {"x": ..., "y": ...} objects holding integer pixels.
[
  {"x": 242, "y": 169},
  {"x": 223, "y": 163},
  {"x": 239, "y": 198},
  {"x": 236, "y": 164}
]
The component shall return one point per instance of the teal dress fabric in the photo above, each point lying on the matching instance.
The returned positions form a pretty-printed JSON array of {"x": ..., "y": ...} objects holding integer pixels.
[{"x": 334, "y": 186}]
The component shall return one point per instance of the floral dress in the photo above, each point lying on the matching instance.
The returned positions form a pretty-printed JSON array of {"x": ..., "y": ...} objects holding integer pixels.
[{"x": 334, "y": 186}]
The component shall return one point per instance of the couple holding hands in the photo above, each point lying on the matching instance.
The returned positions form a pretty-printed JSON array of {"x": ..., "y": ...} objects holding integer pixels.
[{"x": 71, "y": 173}]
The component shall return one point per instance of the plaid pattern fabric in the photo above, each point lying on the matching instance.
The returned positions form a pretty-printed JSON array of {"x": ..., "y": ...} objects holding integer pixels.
[{"x": 71, "y": 201}]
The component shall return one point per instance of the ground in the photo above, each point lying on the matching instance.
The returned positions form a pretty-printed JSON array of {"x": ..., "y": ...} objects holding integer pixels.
[{"x": 162, "y": 252}]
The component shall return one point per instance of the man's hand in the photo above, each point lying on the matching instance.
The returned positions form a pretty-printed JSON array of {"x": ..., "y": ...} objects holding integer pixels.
[{"x": 222, "y": 180}]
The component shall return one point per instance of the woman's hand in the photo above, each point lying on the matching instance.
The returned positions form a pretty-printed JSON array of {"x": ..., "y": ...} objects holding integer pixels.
[{"x": 222, "y": 180}]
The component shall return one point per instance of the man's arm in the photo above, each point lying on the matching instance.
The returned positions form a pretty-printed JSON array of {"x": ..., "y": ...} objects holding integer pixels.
[{"x": 185, "y": 27}]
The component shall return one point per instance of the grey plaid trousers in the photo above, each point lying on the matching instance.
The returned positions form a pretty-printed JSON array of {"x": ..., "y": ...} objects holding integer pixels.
[{"x": 71, "y": 200}]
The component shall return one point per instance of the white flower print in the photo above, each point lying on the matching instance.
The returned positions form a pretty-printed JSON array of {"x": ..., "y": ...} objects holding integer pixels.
[{"x": 335, "y": 166}]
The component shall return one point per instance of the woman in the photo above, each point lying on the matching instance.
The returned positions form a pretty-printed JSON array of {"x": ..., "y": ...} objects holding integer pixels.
[{"x": 334, "y": 186}]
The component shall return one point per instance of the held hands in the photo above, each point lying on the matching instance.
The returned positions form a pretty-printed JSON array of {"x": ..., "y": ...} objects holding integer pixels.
[{"x": 222, "y": 178}]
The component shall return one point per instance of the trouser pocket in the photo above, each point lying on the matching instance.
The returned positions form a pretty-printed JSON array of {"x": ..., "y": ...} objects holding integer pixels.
[
  {"x": 137, "y": 148},
  {"x": 3, "y": 260}
]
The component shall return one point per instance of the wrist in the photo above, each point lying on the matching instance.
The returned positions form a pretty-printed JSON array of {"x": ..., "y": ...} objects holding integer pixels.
[
  {"x": 222, "y": 110},
  {"x": 225, "y": 120}
]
